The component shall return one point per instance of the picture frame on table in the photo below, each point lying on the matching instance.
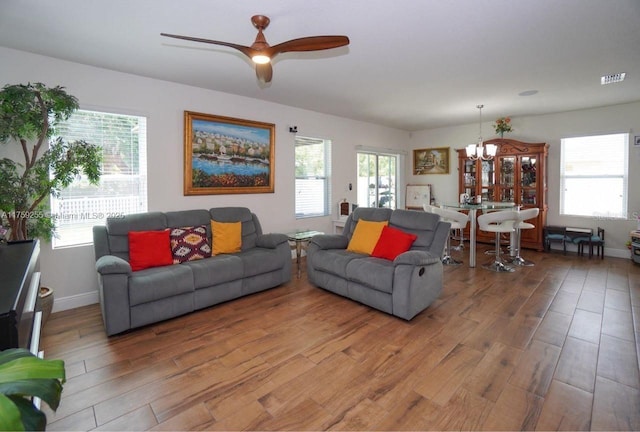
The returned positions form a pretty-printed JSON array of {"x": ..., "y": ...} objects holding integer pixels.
[{"x": 225, "y": 155}]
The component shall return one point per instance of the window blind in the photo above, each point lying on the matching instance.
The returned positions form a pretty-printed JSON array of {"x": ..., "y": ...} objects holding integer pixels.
[{"x": 123, "y": 184}]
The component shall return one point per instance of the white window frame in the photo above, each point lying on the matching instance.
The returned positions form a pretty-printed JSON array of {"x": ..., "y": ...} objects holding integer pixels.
[
  {"x": 398, "y": 156},
  {"x": 301, "y": 189},
  {"x": 601, "y": 170},
  {"x": 75, "y": 217}
]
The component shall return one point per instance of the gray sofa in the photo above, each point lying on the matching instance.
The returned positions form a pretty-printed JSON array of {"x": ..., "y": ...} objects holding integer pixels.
[
  {"x": 402, "y": 287},
  {"x": 131, "y": 299}
]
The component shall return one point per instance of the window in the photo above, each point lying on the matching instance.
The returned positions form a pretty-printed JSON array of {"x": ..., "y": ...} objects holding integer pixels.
[
  {"x": 313, "y": 170},
  {"x": 593, "y": 176},
  {"x": 123, "y": 184},
  {"x": 377, "y": 180}
]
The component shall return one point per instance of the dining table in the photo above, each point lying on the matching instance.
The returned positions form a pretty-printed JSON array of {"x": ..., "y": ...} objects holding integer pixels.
[{"x": 473, "y": 210}]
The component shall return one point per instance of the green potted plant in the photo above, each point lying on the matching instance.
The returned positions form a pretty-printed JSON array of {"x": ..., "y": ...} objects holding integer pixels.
[
  {"x": 29, "y": 115},
  {"x": 23, "y": 376}
]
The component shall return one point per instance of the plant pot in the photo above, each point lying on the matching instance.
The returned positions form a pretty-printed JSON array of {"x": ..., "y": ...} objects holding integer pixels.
[{"x": 45, "y": 302}]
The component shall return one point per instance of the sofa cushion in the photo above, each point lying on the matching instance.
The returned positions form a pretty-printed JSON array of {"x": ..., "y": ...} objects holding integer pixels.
[
  {"x": 215, "y": 270},
  {"x": 226, "y": 237},
  {"x": 258, "y": 261},
  {"x": 118, "y": 230},
  {"x": 183, "y": 218},
  {"x": 158, "y": 283},
  {"x": 149, "y": 249},
  {"x": 422, "y": 224},
  {"x": 189, "y": 244},
  {"x": 376, "y": 273},
  {"x": 366, "y": 213},
  {"x": 251, "y": 228},
  {"x": 333, "y": 261},
  {"x": 365, "y": 236},
  {"x": 392, "y": 243}
]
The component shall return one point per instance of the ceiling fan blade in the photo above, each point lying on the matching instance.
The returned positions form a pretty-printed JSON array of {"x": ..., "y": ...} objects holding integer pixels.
[
  {"x": 264, "y": 72},
  {"x": 313, "y": 43},
  {"x": 248, "y": 51}
]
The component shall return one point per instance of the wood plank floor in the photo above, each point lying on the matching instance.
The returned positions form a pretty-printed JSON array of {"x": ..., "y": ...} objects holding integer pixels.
[{"x": 550, "y": 347}]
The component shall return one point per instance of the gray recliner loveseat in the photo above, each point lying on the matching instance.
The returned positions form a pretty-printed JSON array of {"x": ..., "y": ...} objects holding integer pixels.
[
  {"x": 402, "y": 287},
  {"x": 131, "y": 299}
]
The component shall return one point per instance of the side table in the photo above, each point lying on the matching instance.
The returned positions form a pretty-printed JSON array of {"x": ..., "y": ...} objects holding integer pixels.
[{"x": 300, "y": 239}]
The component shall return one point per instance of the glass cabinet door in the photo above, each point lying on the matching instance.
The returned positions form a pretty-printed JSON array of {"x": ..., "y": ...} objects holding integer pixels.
[
  {"x": 528, "y": 180},
  {"x": 507, "y": 178},
  {"x": 469, "y": 177},
  {"x": 488, "y": 180}
]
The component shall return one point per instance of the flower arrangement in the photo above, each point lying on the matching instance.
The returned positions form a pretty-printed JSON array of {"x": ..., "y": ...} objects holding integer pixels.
[{"x": 503, "y": 124}]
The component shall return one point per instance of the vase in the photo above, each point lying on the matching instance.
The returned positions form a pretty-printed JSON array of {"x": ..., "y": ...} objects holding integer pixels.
[
  {"x": 45, "y": 303},
  {"x": 501, "y": 134}
]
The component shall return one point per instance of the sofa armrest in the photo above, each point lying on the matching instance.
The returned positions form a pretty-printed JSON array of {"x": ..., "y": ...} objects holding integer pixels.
[
  {"x": 416, "y": 258},
  {"x": 270, "y": 241},
  {"x": 330, "y": 241},
  {"x": 110, "y": 264}
]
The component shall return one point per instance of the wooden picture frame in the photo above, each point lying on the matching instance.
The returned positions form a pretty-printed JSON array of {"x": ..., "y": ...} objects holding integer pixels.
[
  {"x": 417, "y": 195},
  {"x": 431, "y": 161},
  {"x": 224, "y": 155}
]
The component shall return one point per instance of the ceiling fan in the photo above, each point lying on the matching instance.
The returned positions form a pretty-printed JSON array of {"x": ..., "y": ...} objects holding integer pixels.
[{"x": 261, "y": 53}]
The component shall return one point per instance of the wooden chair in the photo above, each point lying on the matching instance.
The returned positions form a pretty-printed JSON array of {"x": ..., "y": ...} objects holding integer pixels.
[{"x": 555, "y": 234}]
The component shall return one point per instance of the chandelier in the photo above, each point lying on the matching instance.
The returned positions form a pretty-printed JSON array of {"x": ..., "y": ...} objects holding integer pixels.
[{"x": 479, "y": 151}]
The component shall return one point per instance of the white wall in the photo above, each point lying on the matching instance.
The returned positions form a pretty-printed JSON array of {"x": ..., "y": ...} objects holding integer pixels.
[
  {"x": 550, "y": 129},
  {"x": 71, "y": 271}
]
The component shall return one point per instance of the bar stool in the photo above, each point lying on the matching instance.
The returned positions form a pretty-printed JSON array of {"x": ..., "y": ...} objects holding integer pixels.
[
  {"x": 431, "y": 209},
  {"x": 457, "y": 220},
  {"x": 498, "y": 222},
  {"x": 491, "y": 210},
  {"x": 523, "y": 215}
]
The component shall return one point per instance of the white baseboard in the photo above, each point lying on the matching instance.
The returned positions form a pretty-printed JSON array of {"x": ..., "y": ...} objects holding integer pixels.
[{"x": 75, "y": 301}]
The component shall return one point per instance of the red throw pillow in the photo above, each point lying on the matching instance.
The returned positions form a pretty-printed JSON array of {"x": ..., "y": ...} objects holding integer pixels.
[
  {"x": 149, "y": 249},
  {"x": 392, "y": 243}
]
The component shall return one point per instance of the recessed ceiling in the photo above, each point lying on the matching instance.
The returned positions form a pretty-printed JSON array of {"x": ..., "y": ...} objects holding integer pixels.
[{"x": 411, "y": 64}]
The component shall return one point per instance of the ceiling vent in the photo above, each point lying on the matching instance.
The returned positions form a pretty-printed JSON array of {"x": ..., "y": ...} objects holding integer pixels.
[{"x": 613, "y": 78}]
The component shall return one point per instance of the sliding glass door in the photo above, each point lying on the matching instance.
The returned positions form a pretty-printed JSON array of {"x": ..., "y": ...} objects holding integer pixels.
[{"x": 377, "y": 180}]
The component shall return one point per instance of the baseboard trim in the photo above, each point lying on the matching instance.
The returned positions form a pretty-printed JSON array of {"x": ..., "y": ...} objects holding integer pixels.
[{"x": 75, "y": 301}]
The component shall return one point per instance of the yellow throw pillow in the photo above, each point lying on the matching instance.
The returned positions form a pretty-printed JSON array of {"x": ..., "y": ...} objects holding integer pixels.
[
  {"x": 365, "y": 236},
  {"x": 226, "y": 236}
]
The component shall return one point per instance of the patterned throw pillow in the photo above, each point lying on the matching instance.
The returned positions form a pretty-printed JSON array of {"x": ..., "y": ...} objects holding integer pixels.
[{"x": 189, "y": 244}]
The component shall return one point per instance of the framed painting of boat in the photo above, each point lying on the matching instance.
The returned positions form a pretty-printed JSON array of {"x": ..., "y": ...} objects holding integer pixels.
[
  {"x": 224, "y": 155},
  {"x": 431, "y": 161}
]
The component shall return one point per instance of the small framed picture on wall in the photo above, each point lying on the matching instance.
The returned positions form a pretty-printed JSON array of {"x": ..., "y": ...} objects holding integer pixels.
[{"x": 431, "y": 161}]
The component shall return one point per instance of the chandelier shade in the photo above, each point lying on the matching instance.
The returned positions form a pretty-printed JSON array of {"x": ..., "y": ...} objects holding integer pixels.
[{"x": 479, "y": 150}]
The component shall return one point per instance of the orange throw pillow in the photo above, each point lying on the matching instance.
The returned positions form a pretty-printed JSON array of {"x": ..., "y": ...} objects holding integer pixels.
[
  {"x": 226, "y": 237},
  {"x": 365, "y": 236}
]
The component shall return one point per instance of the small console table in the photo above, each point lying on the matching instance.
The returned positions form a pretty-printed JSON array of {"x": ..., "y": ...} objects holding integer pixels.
[{"x": 301, "y": 239}]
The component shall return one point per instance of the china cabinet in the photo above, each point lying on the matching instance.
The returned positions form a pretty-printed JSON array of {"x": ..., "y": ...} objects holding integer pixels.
[{"x": 517, "y": 174}]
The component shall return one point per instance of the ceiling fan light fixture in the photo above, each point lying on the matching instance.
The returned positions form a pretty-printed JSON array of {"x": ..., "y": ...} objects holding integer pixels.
[{"x": 261, "y": 59}]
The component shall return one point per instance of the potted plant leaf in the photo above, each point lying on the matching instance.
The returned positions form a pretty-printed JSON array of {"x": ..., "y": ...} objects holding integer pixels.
[
  {"x": 29, "y": 114},
  {"x": 23, "y": 376}
]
